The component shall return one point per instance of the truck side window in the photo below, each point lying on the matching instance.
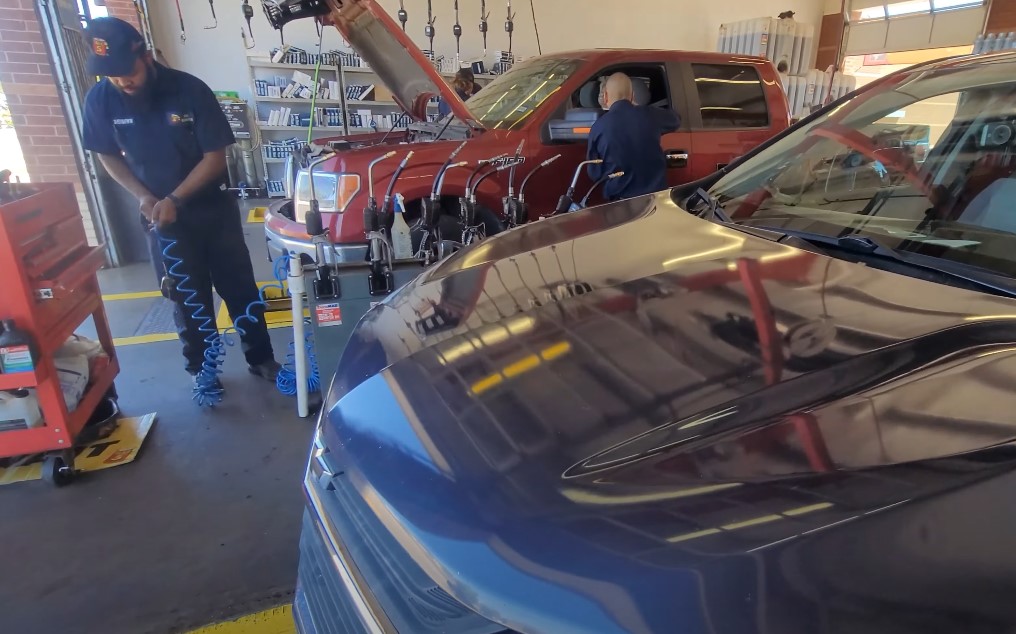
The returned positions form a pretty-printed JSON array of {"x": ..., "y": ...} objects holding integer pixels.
[{"x": 730, "y": 96}]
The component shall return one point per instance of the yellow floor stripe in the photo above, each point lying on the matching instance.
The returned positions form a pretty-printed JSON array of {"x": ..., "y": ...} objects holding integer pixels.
[
  {"x": 274, "y": 319},
  {"x": 112, "y": 297},
  {"x": 274, "y": 621},
  {"x": 133, "y": 341},
  {"x": 256, "y": 214}
]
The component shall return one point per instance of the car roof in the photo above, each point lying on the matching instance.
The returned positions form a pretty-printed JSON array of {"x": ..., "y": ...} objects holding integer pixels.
[
  {"x": 966, "y": 61},
  {"x": 622, "y": 54}
]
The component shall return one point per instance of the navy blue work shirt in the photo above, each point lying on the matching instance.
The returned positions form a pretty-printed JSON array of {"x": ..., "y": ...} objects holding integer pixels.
[
  {"x": 627, "y": 138},
  {"x": 443, "y": 109},
  {"x": 163, "y": 139}
]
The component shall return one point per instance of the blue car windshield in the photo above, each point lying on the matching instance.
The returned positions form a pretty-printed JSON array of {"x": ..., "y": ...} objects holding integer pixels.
[{"x": 925, "y": 163}]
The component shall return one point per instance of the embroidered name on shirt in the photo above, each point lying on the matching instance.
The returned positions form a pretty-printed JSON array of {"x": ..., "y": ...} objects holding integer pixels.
[{"x": 129, "y": 121}]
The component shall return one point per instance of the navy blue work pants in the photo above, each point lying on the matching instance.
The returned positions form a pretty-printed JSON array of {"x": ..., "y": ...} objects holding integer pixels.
[{"x": 209, "y": 240}]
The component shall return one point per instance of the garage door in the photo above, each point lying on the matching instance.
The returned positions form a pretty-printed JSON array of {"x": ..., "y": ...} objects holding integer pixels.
[{"x": 888, "y": 26}]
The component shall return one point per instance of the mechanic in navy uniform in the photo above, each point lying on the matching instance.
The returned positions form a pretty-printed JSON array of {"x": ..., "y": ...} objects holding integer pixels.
[
  {"x": 627, "y": 138},
  {"x": 465, "y": 86},
  {"x": 161, "y": 134}
]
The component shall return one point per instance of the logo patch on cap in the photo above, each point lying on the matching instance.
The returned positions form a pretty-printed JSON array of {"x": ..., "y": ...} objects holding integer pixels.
[{"x": 100, "y": 47}]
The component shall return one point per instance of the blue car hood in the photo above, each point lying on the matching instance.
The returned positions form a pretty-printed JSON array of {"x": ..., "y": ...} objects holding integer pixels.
[{"x": 629, "y": 419}]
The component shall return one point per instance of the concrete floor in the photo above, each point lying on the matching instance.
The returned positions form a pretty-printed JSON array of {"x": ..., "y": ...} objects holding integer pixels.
[{"x": 203, "y": 526}]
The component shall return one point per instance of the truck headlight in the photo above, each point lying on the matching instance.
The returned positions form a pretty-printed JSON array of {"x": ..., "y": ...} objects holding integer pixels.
[{"x": 334, "y": 192}]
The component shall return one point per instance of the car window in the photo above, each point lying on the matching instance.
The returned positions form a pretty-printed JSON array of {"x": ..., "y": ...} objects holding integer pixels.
[
  {"x": 927, "y": 167},
  {"x": 649, "y": 83},
  {"x": 730, "y": 96},
  {"x": 508, "y": 100}
]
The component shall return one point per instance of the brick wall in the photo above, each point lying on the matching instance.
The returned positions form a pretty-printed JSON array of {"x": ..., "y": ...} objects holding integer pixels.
[
  {"x": 30, "y": 85},
  {"x": 123, "y": 9}
]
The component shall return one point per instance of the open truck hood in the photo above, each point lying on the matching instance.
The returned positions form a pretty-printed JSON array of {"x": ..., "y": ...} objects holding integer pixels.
[{"x": 401, "y": 66}]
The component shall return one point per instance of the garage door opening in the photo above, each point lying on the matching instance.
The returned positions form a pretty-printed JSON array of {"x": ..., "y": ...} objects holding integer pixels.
[
  {"x": 11, "y": 157},
  {"x": 921, "y": 123}
]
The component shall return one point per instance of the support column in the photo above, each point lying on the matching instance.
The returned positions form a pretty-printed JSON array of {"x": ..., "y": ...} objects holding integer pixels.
[
  {"x": 1001, "y": 16},
  {"x": 831, "y": 34}
]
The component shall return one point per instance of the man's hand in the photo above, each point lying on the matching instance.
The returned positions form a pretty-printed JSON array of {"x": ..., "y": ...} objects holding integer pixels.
[
  {"x": 147, "y": 206},
  {"x": 164, "y": 212}
]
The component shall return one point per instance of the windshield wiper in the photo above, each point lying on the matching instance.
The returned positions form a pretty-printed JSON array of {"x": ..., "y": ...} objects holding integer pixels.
[
  {"x": 863, "y": 246},
  {"x": 712, "y": 205}
]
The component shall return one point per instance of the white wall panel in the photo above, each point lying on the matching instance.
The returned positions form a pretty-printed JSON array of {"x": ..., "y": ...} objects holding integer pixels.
[
  {"x": 910, "y": 33},
  {"x": 867, "y": 37},
  {"x": 957, "y": 28},
  {"x": 218, "y": 56}
]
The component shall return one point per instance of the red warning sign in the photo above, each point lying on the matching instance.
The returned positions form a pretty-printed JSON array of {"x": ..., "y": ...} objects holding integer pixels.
[{"x": 328, "y": 314}]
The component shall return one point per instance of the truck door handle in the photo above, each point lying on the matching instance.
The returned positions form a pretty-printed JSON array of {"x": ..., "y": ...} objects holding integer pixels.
[{"x": 677, "y": 158}]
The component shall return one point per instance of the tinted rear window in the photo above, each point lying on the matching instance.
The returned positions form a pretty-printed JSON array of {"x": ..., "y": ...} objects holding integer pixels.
[{"x": 730, "y": 96}]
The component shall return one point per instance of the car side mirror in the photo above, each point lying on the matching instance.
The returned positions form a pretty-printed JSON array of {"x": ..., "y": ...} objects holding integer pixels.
[{"x": 575, "y": 126}]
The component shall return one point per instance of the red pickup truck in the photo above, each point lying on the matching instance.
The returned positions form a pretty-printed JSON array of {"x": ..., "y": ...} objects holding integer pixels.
[{"x": 727, "y": 105}]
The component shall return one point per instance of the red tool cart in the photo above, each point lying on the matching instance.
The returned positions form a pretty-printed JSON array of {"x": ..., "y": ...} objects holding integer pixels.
[{"x": 49, "y": 289}]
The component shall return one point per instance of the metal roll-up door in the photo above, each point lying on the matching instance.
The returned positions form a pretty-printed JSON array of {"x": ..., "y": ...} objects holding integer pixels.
[{"x": 891, "y": 26}]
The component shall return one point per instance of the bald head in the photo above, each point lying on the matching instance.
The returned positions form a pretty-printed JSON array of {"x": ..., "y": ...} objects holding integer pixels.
[{"x": 617, "y": 88}]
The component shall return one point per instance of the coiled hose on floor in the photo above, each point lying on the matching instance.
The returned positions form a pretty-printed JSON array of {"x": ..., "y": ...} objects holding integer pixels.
[
  {"x": 207, "y": 387},
  {"x": 208, "y": 390},
  {"x": 285, "y": 381}
]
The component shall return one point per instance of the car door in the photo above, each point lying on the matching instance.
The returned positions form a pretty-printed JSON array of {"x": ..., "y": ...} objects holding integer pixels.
[
  {"x": 662, "y": 79},
  {"x": 677, "y": 146},
  {"x": 728, "y": 113}
]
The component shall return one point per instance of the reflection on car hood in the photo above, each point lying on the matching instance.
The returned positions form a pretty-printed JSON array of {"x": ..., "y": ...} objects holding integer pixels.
[{"x": 629, "y": 418}]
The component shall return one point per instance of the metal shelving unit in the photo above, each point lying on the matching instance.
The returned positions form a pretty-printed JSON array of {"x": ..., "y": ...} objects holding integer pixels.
[
  {"x": 271, "y": 166},
  {"x": 345, "y": 75}
]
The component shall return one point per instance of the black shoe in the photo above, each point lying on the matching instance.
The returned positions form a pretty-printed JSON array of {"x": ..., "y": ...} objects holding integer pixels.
[
  {"x": 216, "y": 385},
  {"x": 269, "y": 370}
]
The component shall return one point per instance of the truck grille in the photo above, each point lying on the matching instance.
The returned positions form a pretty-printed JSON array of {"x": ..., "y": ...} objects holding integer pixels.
[
  {"x": 411, "y": 601},
  {"x": 322, "y": 605}
]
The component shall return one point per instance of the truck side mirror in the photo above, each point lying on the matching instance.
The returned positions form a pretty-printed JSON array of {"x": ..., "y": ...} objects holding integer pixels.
[{"x": 575, "y": 126}]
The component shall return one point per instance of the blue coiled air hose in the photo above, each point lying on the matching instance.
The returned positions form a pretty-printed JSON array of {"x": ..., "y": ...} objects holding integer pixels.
[
  {"x": 207, "y": 387},
  {"x": 285, "y": 381}
]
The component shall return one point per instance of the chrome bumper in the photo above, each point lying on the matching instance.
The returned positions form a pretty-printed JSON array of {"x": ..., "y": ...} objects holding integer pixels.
[{"x": 278, "y": 244}]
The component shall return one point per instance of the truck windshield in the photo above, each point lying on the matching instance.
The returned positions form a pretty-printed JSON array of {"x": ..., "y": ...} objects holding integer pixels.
[
  {"x": 508, "y": 100},
  {"x": 924, "y": 163}
]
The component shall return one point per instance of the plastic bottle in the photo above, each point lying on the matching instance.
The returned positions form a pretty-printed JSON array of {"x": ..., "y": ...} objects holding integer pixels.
[
  {"x": 17, "y": 350},
  {"x": 19, "y": 409},
  {"x": 402, "y": 240},
  {"x": 978, "y": 44}
]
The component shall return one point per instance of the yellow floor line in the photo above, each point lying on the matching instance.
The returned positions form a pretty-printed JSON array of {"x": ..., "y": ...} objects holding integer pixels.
[
  {"x": 133, "y": 341},
  {"x": 256, "y": 214},
  {"x": 274, "y": 319},
  {"x": 274, "y": 621},
  {"x": 112, "y": 297}
]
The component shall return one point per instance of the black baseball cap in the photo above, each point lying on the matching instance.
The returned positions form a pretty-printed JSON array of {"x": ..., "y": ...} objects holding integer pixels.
[{"x": 115, "y": 47}]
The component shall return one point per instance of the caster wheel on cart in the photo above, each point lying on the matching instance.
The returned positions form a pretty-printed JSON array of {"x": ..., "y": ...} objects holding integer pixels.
[{"x": 56, "y": 471}]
